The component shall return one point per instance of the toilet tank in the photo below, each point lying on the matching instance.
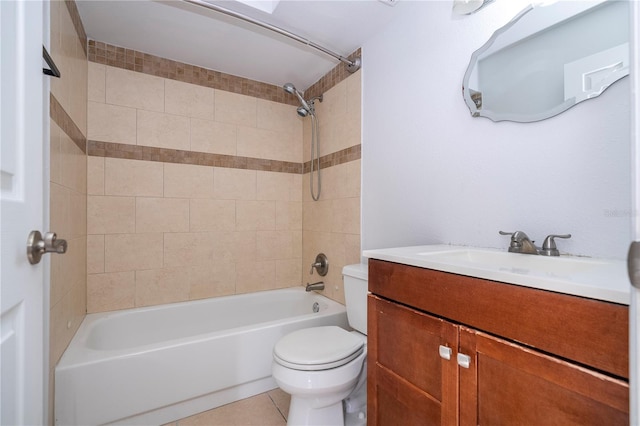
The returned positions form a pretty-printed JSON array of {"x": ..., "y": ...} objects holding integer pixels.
[{"x": 356, "y": 287}]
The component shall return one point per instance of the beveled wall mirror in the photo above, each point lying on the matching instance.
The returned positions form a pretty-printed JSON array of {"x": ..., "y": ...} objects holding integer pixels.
[{"x": 547, "y": 59}]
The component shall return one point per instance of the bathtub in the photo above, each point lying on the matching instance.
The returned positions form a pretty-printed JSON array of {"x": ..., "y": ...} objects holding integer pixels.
[{"x": 158, "y": 364}]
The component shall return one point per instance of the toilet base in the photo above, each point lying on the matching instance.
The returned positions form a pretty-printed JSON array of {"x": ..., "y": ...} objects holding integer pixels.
[{"x": 302, "y": 411}]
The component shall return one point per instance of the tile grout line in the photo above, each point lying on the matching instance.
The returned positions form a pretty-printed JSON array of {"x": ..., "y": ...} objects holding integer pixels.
[{"x": 277, "y": 408}]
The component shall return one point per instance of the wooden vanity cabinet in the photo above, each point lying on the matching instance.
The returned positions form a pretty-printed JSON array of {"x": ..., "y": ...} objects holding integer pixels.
[{"x": 506, "y": 380}]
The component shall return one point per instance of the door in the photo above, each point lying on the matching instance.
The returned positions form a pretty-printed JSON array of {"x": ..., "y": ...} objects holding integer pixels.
[
  {"x": 503, "y": 383},
  {"x": 21, "y": 210},
  {"x": 634, "y": 314},
  {"x": 415, "y": 382}
]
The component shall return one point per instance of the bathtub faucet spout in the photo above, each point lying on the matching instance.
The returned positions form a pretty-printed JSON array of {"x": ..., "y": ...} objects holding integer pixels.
[{"x": 315, "y": 286}]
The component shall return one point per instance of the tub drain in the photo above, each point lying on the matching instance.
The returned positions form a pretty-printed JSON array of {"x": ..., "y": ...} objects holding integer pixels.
[{"x": 316, "y": 307}]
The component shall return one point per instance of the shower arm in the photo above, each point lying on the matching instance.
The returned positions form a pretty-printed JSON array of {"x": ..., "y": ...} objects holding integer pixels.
[{"x": 352, "y": 65}]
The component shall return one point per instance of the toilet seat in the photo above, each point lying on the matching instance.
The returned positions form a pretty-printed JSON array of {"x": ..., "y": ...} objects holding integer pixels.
[{"x": 317, "y": 348}]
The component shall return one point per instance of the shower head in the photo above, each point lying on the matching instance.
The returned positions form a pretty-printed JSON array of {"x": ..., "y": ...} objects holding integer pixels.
[
  {"x": 302, "y": 111},
  {"x": 290, "y": 88}
]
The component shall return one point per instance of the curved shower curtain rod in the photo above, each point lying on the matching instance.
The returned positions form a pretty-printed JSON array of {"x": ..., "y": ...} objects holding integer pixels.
[{"x": 352, "y": 65}]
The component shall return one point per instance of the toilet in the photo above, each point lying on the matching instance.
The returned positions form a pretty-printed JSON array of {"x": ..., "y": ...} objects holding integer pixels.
[{"x": 324, "y": 369}]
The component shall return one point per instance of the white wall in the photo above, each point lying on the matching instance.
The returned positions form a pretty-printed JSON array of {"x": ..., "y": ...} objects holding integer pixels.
[{"x": 433, "y": 174}]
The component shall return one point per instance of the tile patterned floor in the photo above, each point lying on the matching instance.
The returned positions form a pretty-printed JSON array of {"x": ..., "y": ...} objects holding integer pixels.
[{"x": 266, "y": 409}]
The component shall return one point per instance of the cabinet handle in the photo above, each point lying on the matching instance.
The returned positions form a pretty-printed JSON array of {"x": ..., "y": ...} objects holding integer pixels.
[
  {"x": 445, "y": 352},
  {"x": 464, "y": 360}
]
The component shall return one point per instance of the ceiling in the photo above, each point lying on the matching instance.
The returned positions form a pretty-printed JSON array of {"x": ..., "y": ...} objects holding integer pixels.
[{"x": 195, "y": 35}]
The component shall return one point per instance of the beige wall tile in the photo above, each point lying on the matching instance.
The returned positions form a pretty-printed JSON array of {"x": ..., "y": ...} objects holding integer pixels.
[
  {"x": 288, "y": 273},
  {"x": 97, "y": 82},
  {"x": 69, "y": 270},
  {"x": 188, "y": 181},
  {"x": 213, "y": 137},
  {"x": 278, "y": 117},
  {"x": 109, "y": 292},
  {"x": 79, "y": 95},
  {"x": 317, "y": 215},
  {"x": 129, "y": 252},
  {"x": 60, "y": 205},
  {"x": 234, "y": 246},
  {"x": 277, "y": 186},
  {"x": 95, "y": 175},
  {"x": 272, "y": 245},
  {"x": 255, "y": 215},
  {"x": 162, "y": 215},
  {"x": 95, "y": 254},
  {"x": 352, "y": 249},
  {"x": 235, "y": 109},
  {"x": 158, "y": 286},
  {"x": 351, "y": 182},
  {"x": 162, "y": 130},
  {"x": 212, "y": 215},
  {"x": 77, "y": 215},
  {"x": 133, "y": 177},
  {"x": 74, "y": 165},
  {"x": 261, "y": 143},
  {"x": 255, "y": 276},
  {"x": 134, "y": 89},
  {"x": 218, "y": 279},
  {"x": 188, "y": 249},
  {"x": 111, "y": 215},
  {"x": 234, "y": 184},
  {"x": 297, "y": 188},
  {"x": 111, "y": 123},
  {"x": 190, "y": 100},
  {"x": 55, "y": 174},
  {"x": 346, "y": 216},
  {"x": 288, "y": 215}
]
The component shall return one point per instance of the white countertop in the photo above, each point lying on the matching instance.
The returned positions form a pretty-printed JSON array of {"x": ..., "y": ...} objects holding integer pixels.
[{"x": 601, "y": 279}]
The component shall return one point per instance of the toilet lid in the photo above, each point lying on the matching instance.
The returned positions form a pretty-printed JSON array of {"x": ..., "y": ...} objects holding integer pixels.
[{"x": 317, "y": 348}]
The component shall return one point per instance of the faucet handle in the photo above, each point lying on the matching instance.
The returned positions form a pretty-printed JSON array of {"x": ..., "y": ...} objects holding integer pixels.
[{"x": 549, "y": 247}]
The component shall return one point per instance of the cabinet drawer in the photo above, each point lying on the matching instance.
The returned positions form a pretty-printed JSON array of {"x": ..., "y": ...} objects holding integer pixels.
[{"x": 588, "y": 331}]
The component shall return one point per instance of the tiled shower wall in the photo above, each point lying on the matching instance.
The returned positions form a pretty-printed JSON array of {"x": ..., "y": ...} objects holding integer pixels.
[
  {"x": 162, "y": 231},
  {"x": 197, "y": 192},
  {"x": 331, "y": 225},
  {"x": 68, "y": 180}
]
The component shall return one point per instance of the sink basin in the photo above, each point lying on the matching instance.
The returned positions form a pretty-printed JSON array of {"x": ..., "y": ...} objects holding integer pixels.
[
  {"x": 601, "y": 279},
  {"x": 516, "y": 262}
]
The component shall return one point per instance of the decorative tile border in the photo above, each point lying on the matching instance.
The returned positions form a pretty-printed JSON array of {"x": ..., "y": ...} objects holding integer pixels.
[
  {"x": 339, "y": 157},
  {"x": 64, "y": 121},
  {"x": 164, "y": 155},
  {"x": 133, "y": 60},
  {"x": 330, "y": 79},
  {"x": 77, "y": 23}
]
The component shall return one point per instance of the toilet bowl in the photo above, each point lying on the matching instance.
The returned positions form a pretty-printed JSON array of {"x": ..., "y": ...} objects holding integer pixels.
[{"x": 324, "y": 368}]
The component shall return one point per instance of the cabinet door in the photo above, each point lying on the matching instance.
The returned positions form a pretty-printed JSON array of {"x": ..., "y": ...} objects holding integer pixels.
[
  {"x": 409, "y": 383},
  {"x": 508, "y": 384}
]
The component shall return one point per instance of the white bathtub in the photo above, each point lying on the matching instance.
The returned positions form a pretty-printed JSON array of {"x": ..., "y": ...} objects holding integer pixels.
[{"x": 158, "y": 364}]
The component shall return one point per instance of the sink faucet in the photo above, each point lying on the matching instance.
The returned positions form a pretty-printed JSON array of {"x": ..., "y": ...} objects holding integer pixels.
[{"x": 520, "y": 243}]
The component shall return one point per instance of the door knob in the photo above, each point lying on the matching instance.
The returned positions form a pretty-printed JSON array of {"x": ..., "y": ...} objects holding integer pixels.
[{"x": 37, "y": 246}]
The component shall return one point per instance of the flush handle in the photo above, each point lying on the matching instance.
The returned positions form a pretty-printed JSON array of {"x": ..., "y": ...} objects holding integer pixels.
[{"x": 37, "y": 246}]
